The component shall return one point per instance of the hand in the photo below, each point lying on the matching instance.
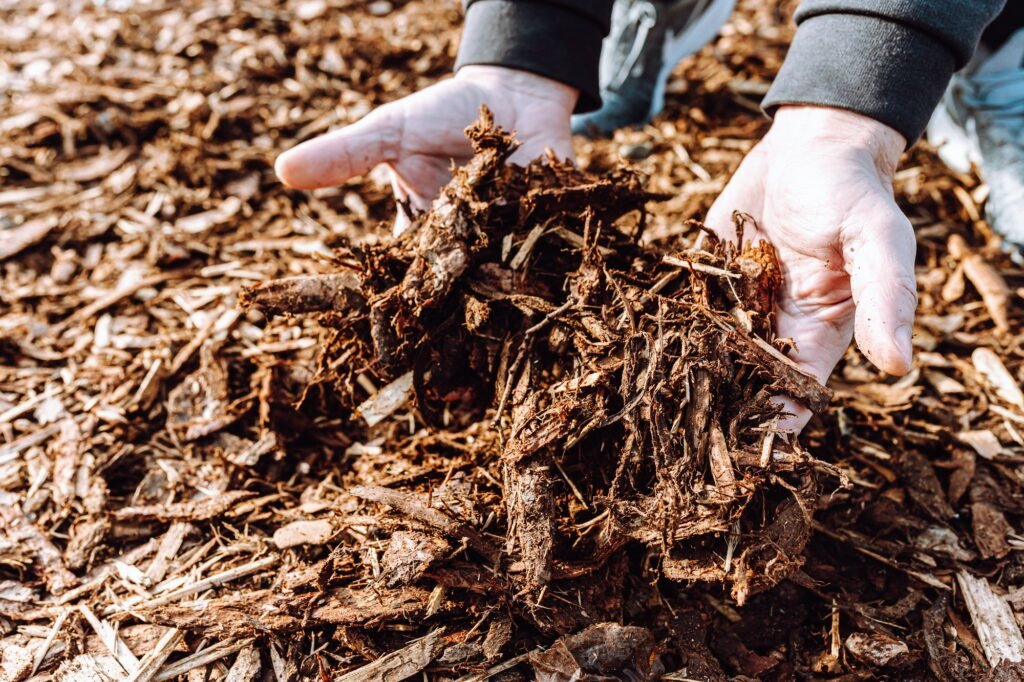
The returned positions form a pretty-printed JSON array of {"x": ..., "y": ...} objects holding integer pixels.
[
  {"x": 420, "y": 136},
  {"x": 819, "y": 186}
]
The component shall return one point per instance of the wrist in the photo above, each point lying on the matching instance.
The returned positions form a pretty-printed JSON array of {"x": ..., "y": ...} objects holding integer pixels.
[
  {"x": 828, "y": 126},
  {"x": 521, "y": 83}
]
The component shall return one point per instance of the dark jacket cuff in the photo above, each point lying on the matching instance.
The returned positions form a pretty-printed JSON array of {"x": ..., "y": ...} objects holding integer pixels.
[
  {"x": 550, "y": 40},
  {"x": 882, "y": 69}
]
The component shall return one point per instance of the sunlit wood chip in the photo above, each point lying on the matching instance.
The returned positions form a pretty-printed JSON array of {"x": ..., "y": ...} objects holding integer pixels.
[
  {"x": 984, "y": 442},
  {"x": 307, "y": 532},
  {"x": 998, "y": 632},
  {"x": 989, "y": 364},
  {"x": 943, "y": 384},
  {"x": 387, "y": 400},
  {"x": 201, "y": 222}
]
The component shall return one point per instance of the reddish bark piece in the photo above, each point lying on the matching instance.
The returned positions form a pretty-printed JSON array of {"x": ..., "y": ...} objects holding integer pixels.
[{"x": 990, "y": 529}]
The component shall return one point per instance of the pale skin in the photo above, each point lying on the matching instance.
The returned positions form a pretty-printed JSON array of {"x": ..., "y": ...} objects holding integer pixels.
[{"x": 819, "y": 185}]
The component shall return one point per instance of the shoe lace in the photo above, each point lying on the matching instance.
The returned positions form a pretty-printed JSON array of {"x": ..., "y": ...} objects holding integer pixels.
[{"x": 645, "y": 17}]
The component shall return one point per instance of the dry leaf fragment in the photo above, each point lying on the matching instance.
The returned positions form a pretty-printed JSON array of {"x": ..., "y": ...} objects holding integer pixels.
[
  {"x": 600, "y": 650},
  {"x": 984, "y": 442},
  {"x": 877, "y": 649},
  {"x": 993, "y": 369},
  {"x": 986, "y": 279},
  {"x": 990, "y": 529},
  {"x": 409, "y": 554}
]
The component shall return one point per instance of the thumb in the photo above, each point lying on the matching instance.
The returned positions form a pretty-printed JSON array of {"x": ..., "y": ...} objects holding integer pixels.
[
  {"x": 879, "y": 258},
  {"x": 333, "y": 158}
]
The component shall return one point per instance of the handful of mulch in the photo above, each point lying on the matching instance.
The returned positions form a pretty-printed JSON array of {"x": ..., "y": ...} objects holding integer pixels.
[{"x": 625, "y": 392}]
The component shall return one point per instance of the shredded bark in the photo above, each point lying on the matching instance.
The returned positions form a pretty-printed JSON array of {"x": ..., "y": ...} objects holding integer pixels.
[{"x": 245, "y": 433}]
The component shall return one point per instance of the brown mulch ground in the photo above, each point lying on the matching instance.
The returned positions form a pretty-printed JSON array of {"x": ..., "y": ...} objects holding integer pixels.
[{"x": 191, "y": 489}]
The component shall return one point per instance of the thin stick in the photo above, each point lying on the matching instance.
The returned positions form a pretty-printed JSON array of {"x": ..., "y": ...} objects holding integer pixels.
[
  {"x": 200, "y": 658},
  {"x": 500, "y": 668},
  {"x": 700, "y": 267},
  {"x": 151, "y": 663},
  {"x": 507, "y": 388},
  {"x": 110, "y": 639},
  {"x": 187, "y": 590},
  {"x": 88, "y": 311},
  {"x": 44, "y": 649}
]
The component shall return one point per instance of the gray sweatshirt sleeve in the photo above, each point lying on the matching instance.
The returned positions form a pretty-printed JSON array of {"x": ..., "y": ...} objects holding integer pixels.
[
  {"x": 559, "y": 39},
  {"x": 887, "y": 59}
]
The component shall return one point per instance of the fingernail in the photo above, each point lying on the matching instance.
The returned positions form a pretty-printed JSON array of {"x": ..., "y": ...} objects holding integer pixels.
[{"x": 904, "y": 341}]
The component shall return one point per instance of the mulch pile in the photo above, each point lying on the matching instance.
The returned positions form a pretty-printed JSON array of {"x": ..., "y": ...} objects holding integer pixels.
[{"x": 246, "y": 434}]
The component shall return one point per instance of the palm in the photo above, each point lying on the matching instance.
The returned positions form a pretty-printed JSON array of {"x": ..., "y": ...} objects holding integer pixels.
[{"x": 846, "y": 250}]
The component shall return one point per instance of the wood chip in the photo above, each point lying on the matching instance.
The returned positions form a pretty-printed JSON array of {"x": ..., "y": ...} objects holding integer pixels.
[
  {"x": 387, "y": 400},
  {"x": 15, "y": 240},
  {"x": 311, "y": 532},
  {"x": 993, "y": 620},
  {"x": 993, "y": 369},
  {"x": 984, "y": 442},
  {"x": 399, "y": 664}
]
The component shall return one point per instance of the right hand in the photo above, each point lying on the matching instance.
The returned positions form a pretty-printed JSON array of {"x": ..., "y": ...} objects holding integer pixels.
[
  {"x": 819, "y": 186},
  {"x": 420, "y": 136}
]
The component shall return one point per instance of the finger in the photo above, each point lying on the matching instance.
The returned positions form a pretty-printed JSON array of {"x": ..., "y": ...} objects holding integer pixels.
[
  {"x": 333, "y": 158},
  {"x": 880, "y": 261}
]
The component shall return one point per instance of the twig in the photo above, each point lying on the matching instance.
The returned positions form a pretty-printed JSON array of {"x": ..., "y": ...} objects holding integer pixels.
[
  {"x": 187, "y": 590},
  {"x": 700, "y": 267},
  {"x": 44, "y": 648},
  {"x": 110, "y": 639},
  {"x": 151, "y": 663},
  {"x": 926, "y": 578},
  {"x": 200, "y": 658},
  {"x": 88, "y": 311},
  {"x": 527, "y": 337},
  {"x": 500, "y": 668}
]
